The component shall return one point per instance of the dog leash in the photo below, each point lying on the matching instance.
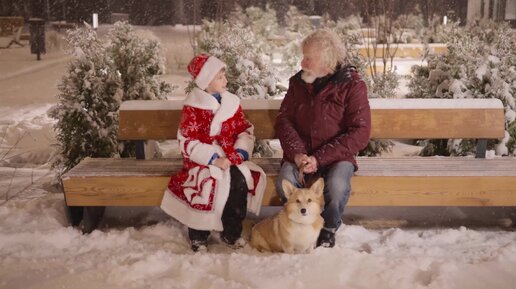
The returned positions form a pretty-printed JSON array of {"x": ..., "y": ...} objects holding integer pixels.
[
  {"x": 311, "y": 177},
  {"x": 301, "y": 174}
]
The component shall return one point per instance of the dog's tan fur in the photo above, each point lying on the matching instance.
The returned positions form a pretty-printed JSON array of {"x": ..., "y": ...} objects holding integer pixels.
[{"x": 291, "y": 231}]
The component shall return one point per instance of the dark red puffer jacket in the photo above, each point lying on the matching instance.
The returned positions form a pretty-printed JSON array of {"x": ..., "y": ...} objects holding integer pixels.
[{"x": 329, "y": 119}]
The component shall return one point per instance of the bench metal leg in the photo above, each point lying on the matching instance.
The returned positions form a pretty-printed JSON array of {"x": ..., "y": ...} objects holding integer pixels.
[
  {"x": 14, "y": 42},
  {"x": 140, "y": 149},
  {"x": 481, "y": 149},
  {"x": 74, "y": 215},
  {"x": 91, "y": 218}
]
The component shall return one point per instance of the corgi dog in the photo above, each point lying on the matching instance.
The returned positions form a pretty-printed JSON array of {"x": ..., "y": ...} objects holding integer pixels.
[{"x": 296, "y": 227}]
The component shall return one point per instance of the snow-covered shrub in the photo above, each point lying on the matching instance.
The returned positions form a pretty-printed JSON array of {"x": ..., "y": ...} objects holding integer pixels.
[
  {"x": 348, "y": 25},
  {"x": 139, "y": 62},
  {"x": 410, "y": 26},
  {"x": 248, "y": 71},
  {"x": 262, "y": 22},
  {"x": 297, "y": 21},
  {"x": 290, "y": 55},
  {"x": 102, "y": 74},
  {"x": 383, "y": 85},
  {"x": 437, "y": 32},
  {"x": 88, "y": 101},
  {"x": 349, "y": 28},
  {"x": 480, "y": 63}
]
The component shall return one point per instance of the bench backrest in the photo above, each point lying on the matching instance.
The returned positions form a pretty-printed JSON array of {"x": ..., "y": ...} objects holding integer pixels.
[{"x": 391, "y": 118}]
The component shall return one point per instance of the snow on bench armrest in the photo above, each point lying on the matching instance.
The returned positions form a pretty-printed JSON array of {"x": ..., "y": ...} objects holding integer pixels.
[{"x": 435, "y": 103}]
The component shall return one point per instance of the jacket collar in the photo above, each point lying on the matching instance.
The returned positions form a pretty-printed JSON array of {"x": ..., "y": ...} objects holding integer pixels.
[
  {"x": 341, "y": 74},
  {"x": 226, "y": 109}
]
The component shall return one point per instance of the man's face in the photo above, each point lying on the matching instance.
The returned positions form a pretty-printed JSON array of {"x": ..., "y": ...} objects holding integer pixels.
[
  {"x": 311, "y": 62},
  {"x": 218, "y": 84}
]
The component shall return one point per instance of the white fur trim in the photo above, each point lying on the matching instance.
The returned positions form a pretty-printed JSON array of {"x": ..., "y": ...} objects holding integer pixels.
[
  {"x": 245, "y": 140},
  {"x": 246, "y": 172},
  {"x": 201, "y": 99},
  {"x": 199, "y": 220},
  {"x": 208, "y": 71},
  {"x": 254, "y": 203},
  {"x": 216, "y": 172},
  {"x": 197, "y": 151},
  {"x": 228, "y": 107}
]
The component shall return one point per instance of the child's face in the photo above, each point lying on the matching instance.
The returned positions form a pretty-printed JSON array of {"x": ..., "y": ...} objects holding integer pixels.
[{"x": 218, "y": 84}]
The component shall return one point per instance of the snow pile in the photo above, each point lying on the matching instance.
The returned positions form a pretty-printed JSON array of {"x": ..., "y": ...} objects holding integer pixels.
[
  {"x": 25, "y": 136},
  {"x": 37, "y": 250}
]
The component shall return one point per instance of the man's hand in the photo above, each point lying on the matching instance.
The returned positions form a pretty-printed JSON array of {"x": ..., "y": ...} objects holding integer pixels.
[
  {"x": 222, "y": 163},
  {"x": 311, "y": 165},
  {"x": 300, "y": 160}
]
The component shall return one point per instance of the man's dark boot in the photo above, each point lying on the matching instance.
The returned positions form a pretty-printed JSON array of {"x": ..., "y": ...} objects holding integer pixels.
[{"x": 326, "y": 239}]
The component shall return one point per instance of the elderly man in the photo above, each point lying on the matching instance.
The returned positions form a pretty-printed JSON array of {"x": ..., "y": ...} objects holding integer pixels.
[{"x": 324, "y": 121}]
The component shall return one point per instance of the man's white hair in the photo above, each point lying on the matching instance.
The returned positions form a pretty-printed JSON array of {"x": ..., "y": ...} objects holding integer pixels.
[{"x": 329, "y": 45}]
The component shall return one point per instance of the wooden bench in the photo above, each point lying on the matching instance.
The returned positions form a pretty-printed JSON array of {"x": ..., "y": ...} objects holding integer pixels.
[
  {"x": 58, "y": 25},
  {"x": 407, "y": 181},
  {"x": 12, "y": 26}
]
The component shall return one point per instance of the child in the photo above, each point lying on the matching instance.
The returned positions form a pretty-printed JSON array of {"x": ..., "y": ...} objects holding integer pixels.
[{"x": 217, "y": 184}]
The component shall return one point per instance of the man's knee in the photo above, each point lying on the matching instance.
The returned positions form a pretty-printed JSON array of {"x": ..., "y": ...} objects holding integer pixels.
[
  {"x": 338, "y": 184},
  {"x": 339, "y": 176}
]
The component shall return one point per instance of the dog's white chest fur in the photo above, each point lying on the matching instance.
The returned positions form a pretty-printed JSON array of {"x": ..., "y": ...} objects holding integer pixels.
[{"x": 302, "y": 237}]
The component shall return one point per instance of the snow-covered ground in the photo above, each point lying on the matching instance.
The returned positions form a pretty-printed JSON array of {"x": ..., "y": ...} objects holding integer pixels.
[{"x": 144, "y": 248}]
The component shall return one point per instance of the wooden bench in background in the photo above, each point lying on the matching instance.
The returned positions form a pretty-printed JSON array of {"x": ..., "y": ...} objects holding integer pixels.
[
  {"x": 62, "y": 25},
  {"x": 406, "y": 181},
  {"x": 12, "y": 26}
]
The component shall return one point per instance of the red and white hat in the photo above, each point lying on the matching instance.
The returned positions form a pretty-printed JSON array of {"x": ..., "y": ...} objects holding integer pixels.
[{"x": 203, "y": 69}]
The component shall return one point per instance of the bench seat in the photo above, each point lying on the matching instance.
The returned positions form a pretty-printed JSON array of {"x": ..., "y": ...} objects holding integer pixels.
[{"x": 407, "y": 181}]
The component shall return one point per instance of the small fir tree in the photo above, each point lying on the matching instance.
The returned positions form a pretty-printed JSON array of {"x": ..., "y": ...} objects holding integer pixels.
[
  {"x": 139, "y": 62},
  {"x": 88, "y": 101},
  {"x": 102, "y": 75}
]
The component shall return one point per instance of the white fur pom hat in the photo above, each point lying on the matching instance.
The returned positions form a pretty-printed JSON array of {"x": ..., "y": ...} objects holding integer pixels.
[{"x": 203, "y": 69}]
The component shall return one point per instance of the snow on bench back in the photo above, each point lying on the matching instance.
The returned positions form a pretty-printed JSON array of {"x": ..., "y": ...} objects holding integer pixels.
[{"x": 375, "y": 103}]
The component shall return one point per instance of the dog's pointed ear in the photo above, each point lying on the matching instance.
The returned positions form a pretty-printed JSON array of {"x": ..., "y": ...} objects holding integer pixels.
[
  {"x": 288, "y": 188},
  {"x": 318, "y": 186}
]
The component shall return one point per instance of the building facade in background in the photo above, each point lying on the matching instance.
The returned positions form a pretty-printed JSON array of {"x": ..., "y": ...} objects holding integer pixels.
[{"x": 498, "y": 10}]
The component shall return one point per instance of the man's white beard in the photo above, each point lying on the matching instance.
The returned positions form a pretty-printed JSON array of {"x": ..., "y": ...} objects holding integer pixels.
[{"x": 308, "y": 76}]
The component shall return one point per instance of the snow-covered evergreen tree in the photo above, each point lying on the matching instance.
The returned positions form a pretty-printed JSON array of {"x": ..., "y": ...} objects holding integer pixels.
[
  {"x": 297, "y": 21},
  {"x": 139, "y": 62},
  {"x": 262, "y": 22},
  {"x": 88, "y": 101},
  {"x": 480, "y": 63},
  {"x": 100, "y": 76}
]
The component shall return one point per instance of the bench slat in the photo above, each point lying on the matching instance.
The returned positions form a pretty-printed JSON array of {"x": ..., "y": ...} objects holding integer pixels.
[
  {"x": 396, "y": 119},
  {"x": 379, "y": 182}
]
